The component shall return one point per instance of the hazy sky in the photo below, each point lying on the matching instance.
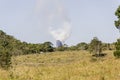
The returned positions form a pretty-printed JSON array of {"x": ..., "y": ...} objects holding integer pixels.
[{"x": 26, "y": 19}]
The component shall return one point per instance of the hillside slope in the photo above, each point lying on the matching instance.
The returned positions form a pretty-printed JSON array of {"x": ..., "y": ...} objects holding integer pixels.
[{"x": 75, "y": 65}]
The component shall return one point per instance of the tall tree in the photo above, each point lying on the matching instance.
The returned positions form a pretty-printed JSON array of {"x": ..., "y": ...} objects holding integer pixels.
[
  {"x": 117, "y": 13},
  {"x": 95, "y": 46},
  {"x": 117, "y": 24}
]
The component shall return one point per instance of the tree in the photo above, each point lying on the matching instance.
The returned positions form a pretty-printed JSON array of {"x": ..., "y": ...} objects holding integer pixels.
[
  {"x": 95, "y": 46},
  {"x": 117, "y": 13},
  {"x": 82, "y": 46},
  {"x": 117, "y": 24},
  {"x": 47, "y": 46},
  {"x": 73, "y": 48},
  {"x": 117, "y": 46},
  {"x": 5, "y": 49}
]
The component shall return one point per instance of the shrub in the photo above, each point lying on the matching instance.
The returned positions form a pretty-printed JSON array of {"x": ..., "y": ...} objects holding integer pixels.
[
  {"x": 95, "y": 46},
  {"x": 117, "y": 46},
  {"x": 5, "y": 59},
  {"x": 117, "y": 53},
  {"x": 61, "y": 48}
]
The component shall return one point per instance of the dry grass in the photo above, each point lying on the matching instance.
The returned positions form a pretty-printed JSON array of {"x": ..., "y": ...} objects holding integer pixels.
[{"x": 75, "y": 65}]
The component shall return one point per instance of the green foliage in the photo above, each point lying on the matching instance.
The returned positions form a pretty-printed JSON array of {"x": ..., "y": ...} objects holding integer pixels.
[
  {"x": 95, "y": 46},
  {"x": 86, "y": 46},
  {"x": 117, "y": 13},
  {"x": 117, "y": 53},
  {"x": 117, "y": 46},
  {"x": 79, "y": 46},
  {"x": 72, "y": 48},
  {"x": 28, "y": 48},
  {"x": 10, "y": 46},
  {"x": 5, "y": 59},
  {"x": 47, "y": 46},
  {"x": 5, "y": 50},
  {"x": 117, "y": 24},
  {"x": 62, "y": 48},
  {"x": 82, "y": 46}
]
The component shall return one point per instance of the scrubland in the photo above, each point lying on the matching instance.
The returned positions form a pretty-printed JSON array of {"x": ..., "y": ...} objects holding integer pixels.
[{"x": 68, "y": 65}]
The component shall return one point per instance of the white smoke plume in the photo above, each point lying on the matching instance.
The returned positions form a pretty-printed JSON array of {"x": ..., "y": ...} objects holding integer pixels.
[
  {"x": 60, "y": 20},
  {"x": 55, "y": 17},
  {"x": 61, "y": 33}
]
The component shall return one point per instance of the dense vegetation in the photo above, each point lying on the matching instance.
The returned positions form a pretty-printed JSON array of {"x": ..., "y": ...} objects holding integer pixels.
[
  {"x": 117, "y": 13},
  {"x": 117, "y": 24},
  {"x": 117, "y": 46},
  {"x": 9, "y": 46}
]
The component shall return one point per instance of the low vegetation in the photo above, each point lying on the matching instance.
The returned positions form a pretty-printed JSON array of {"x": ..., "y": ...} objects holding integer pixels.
[
  {"x": 117, "y": 46},
  {"x": 68, "y": 65}
]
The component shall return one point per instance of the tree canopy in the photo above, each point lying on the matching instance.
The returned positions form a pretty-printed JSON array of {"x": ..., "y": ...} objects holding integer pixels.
[
  {"x": 95, "y": 46},
  {"x": 117, "y": 13}
]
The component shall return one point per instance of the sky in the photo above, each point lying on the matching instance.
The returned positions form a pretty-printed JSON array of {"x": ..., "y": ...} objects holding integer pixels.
[{"x": 27, "y": 20}]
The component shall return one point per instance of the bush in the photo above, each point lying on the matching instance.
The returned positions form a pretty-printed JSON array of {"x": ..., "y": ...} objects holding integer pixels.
[
  {"x": 117, "y": 53},
  {"x": 95, "y": 46},
  {"x": 61, "y": 48},
  {"x": 5, "y": 59},
  {"x": 117, "y": 46}
]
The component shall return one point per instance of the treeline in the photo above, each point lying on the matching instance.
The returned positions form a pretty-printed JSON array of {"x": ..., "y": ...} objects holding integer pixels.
[
  {"x": 9, "y": 46},
  {"x": 95, "y": 42},
  {"x": 16, "y": 47}
]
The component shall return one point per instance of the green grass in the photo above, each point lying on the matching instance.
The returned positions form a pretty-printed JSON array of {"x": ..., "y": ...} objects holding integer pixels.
[{"x": 69, "y": 65}]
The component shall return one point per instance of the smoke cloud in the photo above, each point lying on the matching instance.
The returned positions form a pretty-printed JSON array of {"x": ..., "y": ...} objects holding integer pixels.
[
  {"x": 61, "y": 33},
  {"x": 60, "y": 27},
  {"x": 55, "y": 17}
]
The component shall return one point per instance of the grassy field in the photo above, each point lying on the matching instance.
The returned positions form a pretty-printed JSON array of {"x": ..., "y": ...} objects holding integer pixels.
[{"x": 70, "y": 65}]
